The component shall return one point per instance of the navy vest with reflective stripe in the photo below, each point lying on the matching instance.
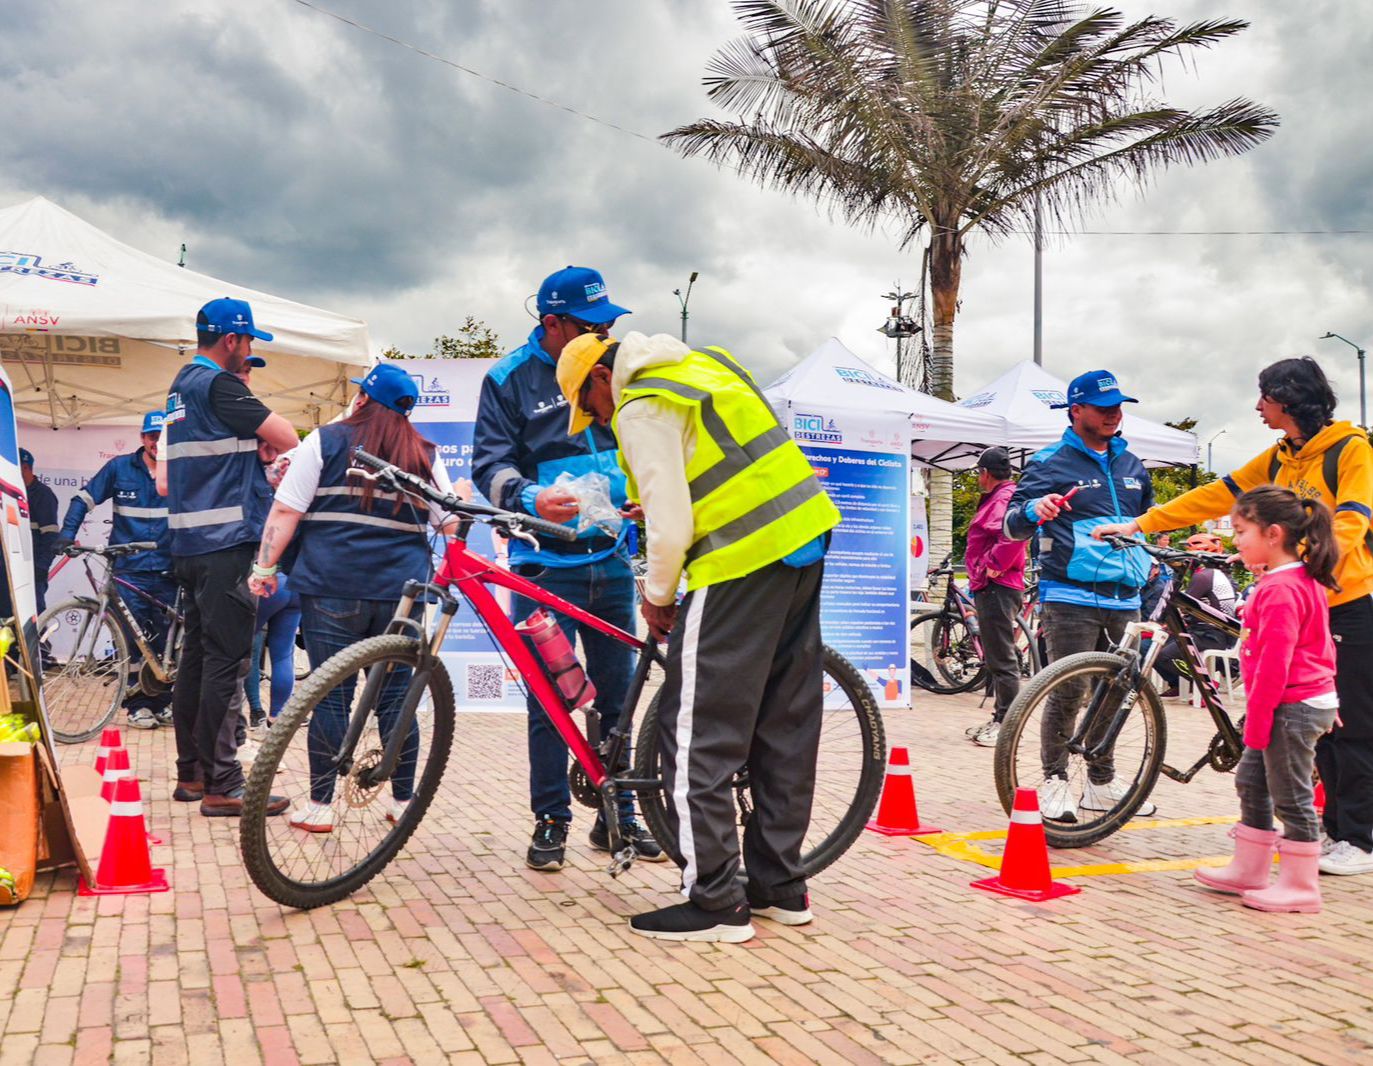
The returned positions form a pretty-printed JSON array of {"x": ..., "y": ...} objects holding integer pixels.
[
  {"x": 210, "y": 469},
  {"x": 351, "y": 553}
]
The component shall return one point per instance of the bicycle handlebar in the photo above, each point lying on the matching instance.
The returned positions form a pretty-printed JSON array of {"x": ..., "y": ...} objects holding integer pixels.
[
  {"x": 111, "y": 550},
  {"x": 511, "y": 521},
  {"x": 1171, "y": 556}
]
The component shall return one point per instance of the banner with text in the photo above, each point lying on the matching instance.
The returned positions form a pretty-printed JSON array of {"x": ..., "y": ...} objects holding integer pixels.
[{"x": 863, "y": 460}]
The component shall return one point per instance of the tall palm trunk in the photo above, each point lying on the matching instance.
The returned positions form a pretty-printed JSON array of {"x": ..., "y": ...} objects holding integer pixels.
[{"x": 946, "y": 270}]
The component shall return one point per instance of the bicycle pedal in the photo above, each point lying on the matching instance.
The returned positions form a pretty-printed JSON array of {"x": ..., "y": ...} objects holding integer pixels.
[{"x": 620, "y": 862}]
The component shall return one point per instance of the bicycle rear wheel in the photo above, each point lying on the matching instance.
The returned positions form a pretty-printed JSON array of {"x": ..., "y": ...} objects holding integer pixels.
[
  {"x": 849, "y": 770},
  {"x": 1060, "y": 693},
  {"x": 301, "y": 868},
  {"x": 85, "y": 669}
]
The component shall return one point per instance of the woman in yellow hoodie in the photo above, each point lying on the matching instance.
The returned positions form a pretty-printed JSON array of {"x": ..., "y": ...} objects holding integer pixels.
[{"x": 1331, "y": 461}]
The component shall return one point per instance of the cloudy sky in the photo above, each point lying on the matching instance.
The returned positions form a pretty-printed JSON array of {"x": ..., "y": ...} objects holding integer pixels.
[{"x": 297, "y": 154}]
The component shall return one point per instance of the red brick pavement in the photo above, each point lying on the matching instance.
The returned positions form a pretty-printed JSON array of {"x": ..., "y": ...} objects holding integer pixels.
[{"x": 458, "y": 953}]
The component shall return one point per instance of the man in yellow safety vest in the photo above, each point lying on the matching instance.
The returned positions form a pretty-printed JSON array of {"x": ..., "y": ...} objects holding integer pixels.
[{"x": 730, "y": 500}]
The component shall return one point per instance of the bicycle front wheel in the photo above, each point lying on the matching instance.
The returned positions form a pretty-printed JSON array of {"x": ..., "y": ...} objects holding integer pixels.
[
  {"x": 1083, "y": 799},
  {"x": 344, "y": 824},
  {"x": 85, "y": 669},
  {"x": 848, "y": 773}
]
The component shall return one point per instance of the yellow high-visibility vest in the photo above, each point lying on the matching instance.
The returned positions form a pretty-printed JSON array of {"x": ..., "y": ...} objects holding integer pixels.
[{"x": 754, "y": 497}]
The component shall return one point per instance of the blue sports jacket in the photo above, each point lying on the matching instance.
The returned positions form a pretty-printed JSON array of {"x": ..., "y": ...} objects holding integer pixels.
[
  {"x": 1113, "y": 487},
  {"x": 520, "y": 446},
  {"x": 139, "y": 512}
]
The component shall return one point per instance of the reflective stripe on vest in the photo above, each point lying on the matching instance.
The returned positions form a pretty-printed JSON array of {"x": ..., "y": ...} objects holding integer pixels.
[{"x": 754, "y": 497}]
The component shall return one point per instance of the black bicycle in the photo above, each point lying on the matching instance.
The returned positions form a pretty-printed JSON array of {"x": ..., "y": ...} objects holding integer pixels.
[
  {"x": 1112, "y": 751},
  {"x": 90, "y": 644}
]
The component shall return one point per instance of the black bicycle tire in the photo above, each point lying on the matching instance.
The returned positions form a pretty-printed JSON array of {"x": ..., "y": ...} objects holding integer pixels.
[
  {"x": 121, "y": 647},
  {"x": 940, "y": 687},
  {"x": 979, "y": 677},
  {"x": 1032, "y": 693},
  {"x": 1032, "y": 643},
  {"x": 653, "y": 806},
  {"x": 253, "y": 823}
]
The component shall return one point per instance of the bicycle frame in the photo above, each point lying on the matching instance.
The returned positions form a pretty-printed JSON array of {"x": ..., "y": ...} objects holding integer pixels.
[{"x": 106, "y": 598}]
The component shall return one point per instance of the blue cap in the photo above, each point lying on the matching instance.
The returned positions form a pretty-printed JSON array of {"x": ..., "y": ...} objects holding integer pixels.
[
  {"x": 391, "y": 387},
  {"x": 255, "y": 361},
  {"x": 25, "y": 457},
  {"x": 1096, "y": 388},
  {"x": 227, "y": 315},
  {"x": 152, "y": 422},
  {"x": 579, "y": 292}
]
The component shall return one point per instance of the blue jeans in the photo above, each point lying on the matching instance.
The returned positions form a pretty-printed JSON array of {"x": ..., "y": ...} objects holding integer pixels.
[
  {"x": 152, "y": 621},
  {"x": 605, "y": 589},
  {"x": 330, "y": 624},
  {"x": 278, "y": 618}
]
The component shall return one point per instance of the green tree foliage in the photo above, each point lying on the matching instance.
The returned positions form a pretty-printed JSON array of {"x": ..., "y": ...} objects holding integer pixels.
[{"x": 475, "y": 340}]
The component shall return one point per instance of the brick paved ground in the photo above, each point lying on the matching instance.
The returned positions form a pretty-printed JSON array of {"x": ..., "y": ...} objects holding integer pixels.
[{"x": 459, "y": 953}]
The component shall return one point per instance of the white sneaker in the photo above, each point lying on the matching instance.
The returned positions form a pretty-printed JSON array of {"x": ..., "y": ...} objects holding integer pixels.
[
  {"x": 986, "y": 734},
  {"x": 142, "y": 718},
  {"x": 1107, "y": 797},
  {"x": 1056, "y": 801},
  {"x": 1327, "y": 843},
  {"x": 1346, "y": 858},
  {"x": 396, "y": 809},
  {"x": 313, "y": 817}
]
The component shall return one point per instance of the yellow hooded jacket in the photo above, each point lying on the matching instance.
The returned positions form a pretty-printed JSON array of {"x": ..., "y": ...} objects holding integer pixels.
[{"x": 1300, "y": 470}]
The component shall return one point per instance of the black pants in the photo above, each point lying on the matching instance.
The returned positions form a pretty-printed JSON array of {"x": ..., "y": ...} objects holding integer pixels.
[
  {"x": 1205, "y": 640},
  {"x": 743, "y": 688},
  {"x": 1344, "y": 758},
  {"x": 208, "y": 695},
  {"x": 997, "y": 607}
]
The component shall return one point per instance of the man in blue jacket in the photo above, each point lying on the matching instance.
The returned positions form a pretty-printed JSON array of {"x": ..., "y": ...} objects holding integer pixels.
[
  {"x": 519, "y": 447},
  {"x": 140, "y": 514},
  {"x": 43, "y": 523},
  {"x": 1089, "y": 590}
]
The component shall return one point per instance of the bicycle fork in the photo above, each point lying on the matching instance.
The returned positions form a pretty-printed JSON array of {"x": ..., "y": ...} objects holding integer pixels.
[{"x": 1091, "y": 740}]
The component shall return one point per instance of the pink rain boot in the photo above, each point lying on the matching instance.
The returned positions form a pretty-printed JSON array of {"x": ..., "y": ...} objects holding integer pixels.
[
  {"x": 1251, "y": 865},
  {"x": 1298, "y": 885}
]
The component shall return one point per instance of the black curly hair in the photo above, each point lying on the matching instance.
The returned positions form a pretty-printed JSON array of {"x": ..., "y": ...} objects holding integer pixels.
[{"x": 1300, "y": 385}]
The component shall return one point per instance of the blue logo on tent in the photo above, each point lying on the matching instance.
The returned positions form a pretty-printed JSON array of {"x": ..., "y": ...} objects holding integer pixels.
[{"x": 28, "y": 263}]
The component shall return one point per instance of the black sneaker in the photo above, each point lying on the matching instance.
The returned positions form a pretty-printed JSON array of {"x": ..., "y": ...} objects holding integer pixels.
[
  {"x": 547, "y": 847},
  {"x": 257, "y": 718},
  {"x": 792, "y": 911},
  {"x": 687, "y": 921},
  {"x": 640, "y": 839}
]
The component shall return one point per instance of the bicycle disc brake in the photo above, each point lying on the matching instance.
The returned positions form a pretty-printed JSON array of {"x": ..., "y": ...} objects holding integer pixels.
[{"x": 358, "y": 791}]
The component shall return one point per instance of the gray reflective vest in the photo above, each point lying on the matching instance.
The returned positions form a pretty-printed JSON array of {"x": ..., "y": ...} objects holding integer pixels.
[{"x": 211, "y": 471}]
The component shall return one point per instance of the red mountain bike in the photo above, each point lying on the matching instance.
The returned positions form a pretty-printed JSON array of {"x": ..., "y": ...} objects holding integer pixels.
[{"x": 374, "y": 725}]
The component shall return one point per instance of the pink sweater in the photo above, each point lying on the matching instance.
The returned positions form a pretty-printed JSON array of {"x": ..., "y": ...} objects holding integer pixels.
[{"x": 1287, "y": 655}]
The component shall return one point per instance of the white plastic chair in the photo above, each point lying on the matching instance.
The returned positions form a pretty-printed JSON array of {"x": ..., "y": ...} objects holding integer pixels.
[{"x": 1217, "y": 662}]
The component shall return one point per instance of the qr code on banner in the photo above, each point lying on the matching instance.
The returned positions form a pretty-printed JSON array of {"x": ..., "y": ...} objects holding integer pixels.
[{"x": 485, "y": 681}]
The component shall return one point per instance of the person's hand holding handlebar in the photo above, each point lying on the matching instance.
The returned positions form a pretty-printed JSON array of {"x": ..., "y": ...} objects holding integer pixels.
[{"x": 1116, "y": 529}]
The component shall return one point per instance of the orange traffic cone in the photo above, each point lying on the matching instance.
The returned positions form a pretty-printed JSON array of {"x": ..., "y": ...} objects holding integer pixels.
[
  {"x": 1320, "y": 795},
  {"x": 1025, "y": 862},
  {"x": 109, "y": 740},
  {"x": 125, "y": 865},
  {"x": 116, "y": 769},
  {"x": 896, "y": 814}
]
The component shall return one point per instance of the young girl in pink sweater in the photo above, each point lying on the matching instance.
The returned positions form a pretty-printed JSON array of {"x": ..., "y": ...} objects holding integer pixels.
[{"x": 1288, "y": 662}]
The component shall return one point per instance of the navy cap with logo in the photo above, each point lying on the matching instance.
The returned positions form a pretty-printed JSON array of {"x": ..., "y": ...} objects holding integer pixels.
[
  {"x": 391, "y": 387},
  {"x": 580, "y": 293},
  {"x": 152, "y": 422},
  {"x": 227, "y": 315},
  {"x": 1096, "y": 388},
  {"x": 25, "y": 457}
]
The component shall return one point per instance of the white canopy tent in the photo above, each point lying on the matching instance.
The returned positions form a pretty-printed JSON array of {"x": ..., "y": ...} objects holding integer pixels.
[
  {"x": 1020, "y": 398},
  {"x": 942, "y": 434},
  {"x": 94, "y": 331}
]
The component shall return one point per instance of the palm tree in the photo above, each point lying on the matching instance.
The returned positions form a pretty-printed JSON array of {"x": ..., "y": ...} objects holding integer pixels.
[{"x": 948, "y": 116}]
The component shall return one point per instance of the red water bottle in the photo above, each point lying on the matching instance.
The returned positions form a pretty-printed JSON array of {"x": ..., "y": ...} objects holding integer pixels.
[{"x": 556, "y": 651}]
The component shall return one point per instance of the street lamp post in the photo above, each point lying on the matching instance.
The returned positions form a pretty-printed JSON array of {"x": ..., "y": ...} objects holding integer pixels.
[
  {"x": 1209, "y": 468},
  {"x": 683, "y": 300},
  {"x": 1363, "y": 395}
]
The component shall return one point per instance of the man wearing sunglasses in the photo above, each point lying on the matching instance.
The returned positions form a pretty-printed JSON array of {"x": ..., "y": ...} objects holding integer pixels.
[{"x": 520, "y": 446}]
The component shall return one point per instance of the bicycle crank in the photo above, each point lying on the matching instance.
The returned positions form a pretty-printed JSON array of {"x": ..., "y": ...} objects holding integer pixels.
[
  {"x": 621, "y": 861},
  {"x": 150, "y": 684},
  {"x": 587, "y": 794}
]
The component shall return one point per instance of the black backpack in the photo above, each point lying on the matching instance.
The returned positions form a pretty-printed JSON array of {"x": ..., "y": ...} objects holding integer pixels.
[{"x": 1330, "y": 470}]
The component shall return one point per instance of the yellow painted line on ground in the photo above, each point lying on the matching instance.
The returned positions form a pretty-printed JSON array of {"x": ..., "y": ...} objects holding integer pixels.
[{"x": 963, "y": 846}]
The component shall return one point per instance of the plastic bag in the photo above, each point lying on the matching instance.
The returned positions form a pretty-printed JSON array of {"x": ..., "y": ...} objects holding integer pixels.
[{"x": 593, "y": 501}]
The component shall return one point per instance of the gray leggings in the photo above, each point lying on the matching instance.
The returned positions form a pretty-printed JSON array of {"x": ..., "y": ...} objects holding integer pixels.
[{"x": 1279, "y": 777}]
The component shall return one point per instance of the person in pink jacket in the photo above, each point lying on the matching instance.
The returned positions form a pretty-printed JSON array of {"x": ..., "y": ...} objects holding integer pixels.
[
  {"x": 996, "y": 578},
  {"x": 1287, "y": 658}
]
